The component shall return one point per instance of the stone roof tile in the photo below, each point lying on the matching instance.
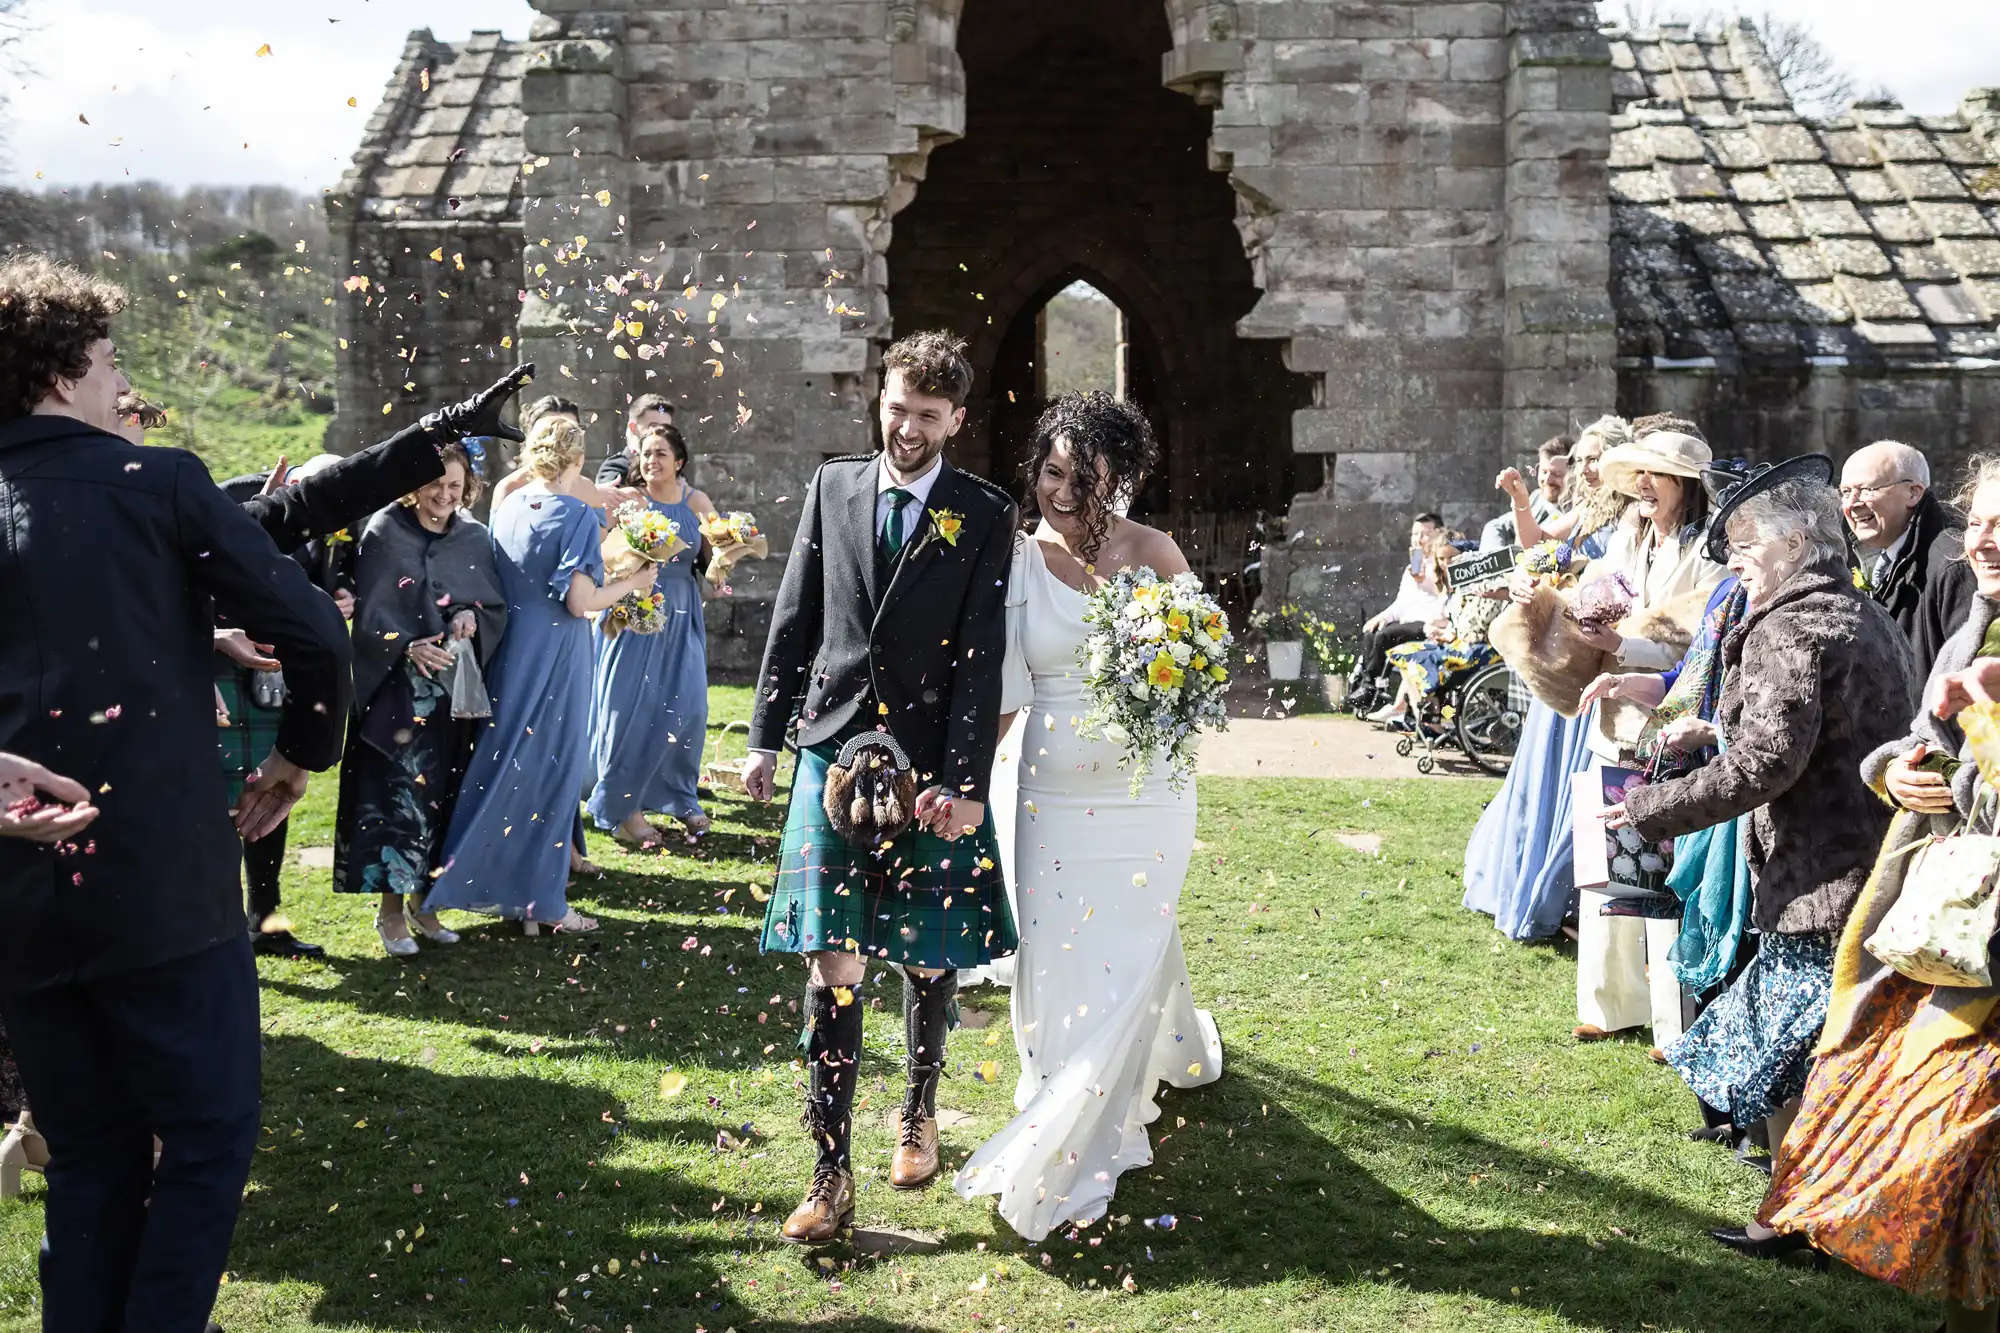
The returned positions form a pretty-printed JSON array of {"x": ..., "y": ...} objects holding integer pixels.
[{"x": 1952, "y": 219}]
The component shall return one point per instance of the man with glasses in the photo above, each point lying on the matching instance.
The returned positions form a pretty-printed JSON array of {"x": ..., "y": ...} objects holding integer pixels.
[{"x": 1904, "y": 537}]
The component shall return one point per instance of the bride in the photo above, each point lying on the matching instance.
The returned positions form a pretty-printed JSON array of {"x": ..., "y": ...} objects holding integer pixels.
[{"x": 1102, "y": 1008}]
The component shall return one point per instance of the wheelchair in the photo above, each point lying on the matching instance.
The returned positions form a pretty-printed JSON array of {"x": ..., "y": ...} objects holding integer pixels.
[{"x": 1480, "y": 710}]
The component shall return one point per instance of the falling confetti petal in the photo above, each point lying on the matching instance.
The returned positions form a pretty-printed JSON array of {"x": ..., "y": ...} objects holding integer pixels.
[{"x": 672, "y": 1085}]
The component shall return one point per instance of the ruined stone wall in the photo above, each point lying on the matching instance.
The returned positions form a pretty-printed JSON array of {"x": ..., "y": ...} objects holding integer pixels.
[
  {"x": 424, "y": 332},
  {"x": 427, "y": 238},
  {"x": 1077, "y": 163},
  {"x": 1949, "y": 411},
  {"x": 1423, "y": 201},
  {"x": 752, "y": 153}
]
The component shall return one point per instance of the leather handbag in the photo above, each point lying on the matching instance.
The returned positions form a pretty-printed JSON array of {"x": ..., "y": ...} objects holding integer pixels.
[{"x": 1940, "y": 930}]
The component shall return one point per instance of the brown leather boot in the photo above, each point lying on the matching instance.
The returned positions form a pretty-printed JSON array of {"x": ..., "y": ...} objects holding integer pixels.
[
  {"x": 827, "y": 1209},
  {"x": 916, "y": 1160}
]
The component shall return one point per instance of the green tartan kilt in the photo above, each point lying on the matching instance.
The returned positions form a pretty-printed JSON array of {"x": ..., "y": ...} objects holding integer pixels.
[
  {"x": 921, "y": 901},
  {"x": 251, "y": 733}
]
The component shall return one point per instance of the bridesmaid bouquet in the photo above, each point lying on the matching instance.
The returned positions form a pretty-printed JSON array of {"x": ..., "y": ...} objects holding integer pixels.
[
  {"x": 639, "y": 534},
  {"x": 1155, "y": 666},
  {"x": 639, "y": 612},
  {"x": 735, "y": 537}
]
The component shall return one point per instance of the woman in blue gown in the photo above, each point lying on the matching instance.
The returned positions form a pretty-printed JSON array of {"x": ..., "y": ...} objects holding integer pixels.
[
  {"x": 1518, "y": 865},
  {"x": 507, "y": 851},
  {"x": 649, "y": 706}
]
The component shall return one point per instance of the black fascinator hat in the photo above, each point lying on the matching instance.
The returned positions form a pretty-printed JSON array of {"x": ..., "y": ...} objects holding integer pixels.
[{"x": 1730, "y": 484}]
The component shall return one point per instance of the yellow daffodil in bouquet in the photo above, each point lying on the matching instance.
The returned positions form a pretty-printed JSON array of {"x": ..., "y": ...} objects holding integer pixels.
[
  {"x": 638, "y": 612},
  {"x": 1156, "y": 664},
  {"x": 732, "y": 537}
]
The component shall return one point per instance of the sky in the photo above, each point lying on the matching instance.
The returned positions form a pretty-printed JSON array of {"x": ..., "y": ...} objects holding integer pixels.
[{"x": 174, "y": 90}]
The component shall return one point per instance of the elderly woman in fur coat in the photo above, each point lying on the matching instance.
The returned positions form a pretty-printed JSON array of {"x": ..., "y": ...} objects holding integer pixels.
[
  {"x": 1893, "y": 1164},
  {"x": 1815, "y": 677}
]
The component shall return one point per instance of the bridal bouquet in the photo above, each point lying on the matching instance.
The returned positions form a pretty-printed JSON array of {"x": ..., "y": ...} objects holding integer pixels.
[
  {"x": 1155, "y": 666},
  {"x": 640, "y": 612}
]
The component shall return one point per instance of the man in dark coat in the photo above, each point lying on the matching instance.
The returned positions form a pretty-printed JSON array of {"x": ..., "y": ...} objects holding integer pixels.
[
  {"x": 891, "y": 622},
  {"x": 126, "y": 979},
  {"x": 1906, "y": 543}
]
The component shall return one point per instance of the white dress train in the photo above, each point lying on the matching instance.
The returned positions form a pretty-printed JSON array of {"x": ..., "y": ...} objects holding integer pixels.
[{"x": 1102, "y": 1008}]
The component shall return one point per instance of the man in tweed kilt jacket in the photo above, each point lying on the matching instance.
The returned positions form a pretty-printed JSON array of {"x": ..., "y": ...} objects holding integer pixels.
[{"x": 892, "y": 617}]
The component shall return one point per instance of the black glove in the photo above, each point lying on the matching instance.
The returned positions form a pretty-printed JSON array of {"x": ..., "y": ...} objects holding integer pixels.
[{"x": 480, "y": 414}]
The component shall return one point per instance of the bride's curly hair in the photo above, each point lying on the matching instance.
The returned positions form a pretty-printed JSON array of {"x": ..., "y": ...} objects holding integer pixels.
[{"x": 1099, "y": 430}]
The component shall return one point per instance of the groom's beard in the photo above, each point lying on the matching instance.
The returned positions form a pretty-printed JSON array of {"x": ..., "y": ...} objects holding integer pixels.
[{"x": 909, "y": 458}]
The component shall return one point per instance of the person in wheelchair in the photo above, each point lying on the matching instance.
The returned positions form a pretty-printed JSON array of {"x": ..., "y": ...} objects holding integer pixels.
[{"x": 1453, "y": 645}]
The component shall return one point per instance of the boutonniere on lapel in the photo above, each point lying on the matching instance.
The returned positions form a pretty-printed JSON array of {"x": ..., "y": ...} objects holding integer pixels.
[{"x": 947, "y": 524}]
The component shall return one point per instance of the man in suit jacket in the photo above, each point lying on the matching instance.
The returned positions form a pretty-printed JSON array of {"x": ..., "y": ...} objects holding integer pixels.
[
  {"x": 126, "y": 979},
  {"x": 891, "y": 618}
]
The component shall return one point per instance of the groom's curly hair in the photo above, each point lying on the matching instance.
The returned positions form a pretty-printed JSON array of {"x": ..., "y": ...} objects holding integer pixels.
[{"x": 1107, "y": 439}]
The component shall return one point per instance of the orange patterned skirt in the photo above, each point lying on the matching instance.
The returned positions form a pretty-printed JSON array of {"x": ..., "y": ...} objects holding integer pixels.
[{"x": 1898, "y": 1177}]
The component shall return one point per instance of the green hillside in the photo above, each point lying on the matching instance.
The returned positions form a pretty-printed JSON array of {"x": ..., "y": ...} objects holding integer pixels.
[{"x": 230, "y": 326}]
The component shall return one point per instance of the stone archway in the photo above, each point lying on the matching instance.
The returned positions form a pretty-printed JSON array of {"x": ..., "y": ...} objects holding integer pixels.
[{"x": 1077, "y": 163}]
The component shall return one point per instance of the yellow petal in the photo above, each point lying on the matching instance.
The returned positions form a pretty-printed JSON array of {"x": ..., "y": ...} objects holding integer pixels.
[{"x": 672, "y": 1085}]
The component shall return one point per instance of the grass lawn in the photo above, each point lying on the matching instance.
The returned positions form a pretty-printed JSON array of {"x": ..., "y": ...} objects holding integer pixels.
[{"x": 1405, "y": 1138}]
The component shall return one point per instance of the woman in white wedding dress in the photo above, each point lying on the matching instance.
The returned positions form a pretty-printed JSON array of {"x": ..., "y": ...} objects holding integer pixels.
[{"x": 1102, "y": 1008}]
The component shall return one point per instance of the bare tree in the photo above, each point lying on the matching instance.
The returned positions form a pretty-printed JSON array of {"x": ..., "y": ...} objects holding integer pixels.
[{"x": 1817, "y": 82}]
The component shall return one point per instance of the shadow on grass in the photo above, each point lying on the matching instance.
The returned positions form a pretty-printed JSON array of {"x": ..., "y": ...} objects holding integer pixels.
[
  {"x": 1284, "y": 1198},
  {"x": 514, "y": 1217}
]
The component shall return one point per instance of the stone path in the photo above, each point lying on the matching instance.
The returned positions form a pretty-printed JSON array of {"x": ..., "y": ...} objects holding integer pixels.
[{"x": 1316, "y": 745}]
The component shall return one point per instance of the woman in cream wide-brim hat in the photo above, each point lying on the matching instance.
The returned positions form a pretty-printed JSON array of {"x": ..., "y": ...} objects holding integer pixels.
[{"x": 1666, "y": 452}]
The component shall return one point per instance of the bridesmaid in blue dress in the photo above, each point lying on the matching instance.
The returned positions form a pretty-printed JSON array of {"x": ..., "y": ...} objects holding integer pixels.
[
  {"x": 649, "y": 708},
  {"x": 1518, "y": 866},
  {"x": 507, "y": 852}
]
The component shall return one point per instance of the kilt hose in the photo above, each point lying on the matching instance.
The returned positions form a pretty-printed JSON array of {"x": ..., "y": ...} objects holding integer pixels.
[{"x": 919, "y": 901}]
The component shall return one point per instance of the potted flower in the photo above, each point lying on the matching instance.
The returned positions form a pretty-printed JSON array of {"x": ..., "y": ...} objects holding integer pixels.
[
  {"x": 1284, "y": 640},
  {"x": 1331, "y": 652}
]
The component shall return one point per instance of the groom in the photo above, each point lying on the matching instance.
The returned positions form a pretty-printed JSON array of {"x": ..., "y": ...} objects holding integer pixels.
[{"x": 891, "y": 618}]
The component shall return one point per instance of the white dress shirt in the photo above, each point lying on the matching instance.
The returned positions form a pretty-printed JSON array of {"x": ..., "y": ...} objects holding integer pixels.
[
  {"x": 1883, "y": 560},
  {"x": 921, "y": 488}
]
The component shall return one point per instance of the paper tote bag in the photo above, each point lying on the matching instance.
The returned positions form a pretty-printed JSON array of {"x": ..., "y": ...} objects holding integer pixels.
[
  {"x": 1941, "y": 928},
  {"x": 1615, "y": 862}
]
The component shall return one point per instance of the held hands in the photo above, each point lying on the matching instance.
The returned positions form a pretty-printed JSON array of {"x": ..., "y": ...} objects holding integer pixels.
[
  {"x": 1917, "y": 791},
  {"x": 946, "y": 816},
  {"x": 23, "y": 812},
  {"x": 1977, "y": 684},
  {"x": 269, "y": 795},
  {"x": 643, "y": 578},
  {"x": 464, "y": 625},
  {"x": 760, "y": 775},
  {"x": 1615, "y": 816},
  {"x": 238, "y": 647},
  {"x": 1521, "y": 586},
  {"x": 343, "y": 601}
]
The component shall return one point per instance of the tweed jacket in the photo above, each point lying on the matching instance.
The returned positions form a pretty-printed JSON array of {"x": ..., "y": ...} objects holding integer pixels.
[
  {"x": 1813, "y": 681},
  {"x": 916, "y": 647}
]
